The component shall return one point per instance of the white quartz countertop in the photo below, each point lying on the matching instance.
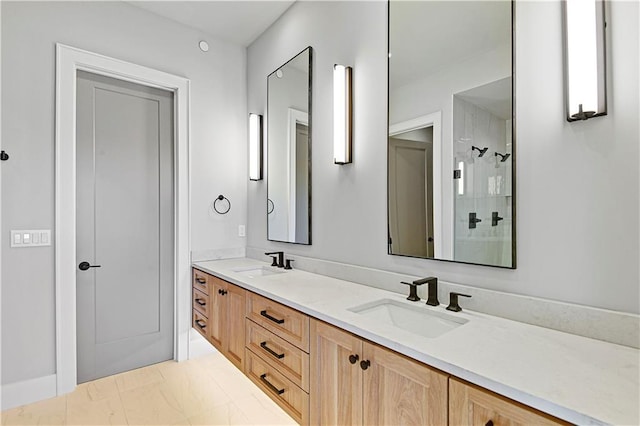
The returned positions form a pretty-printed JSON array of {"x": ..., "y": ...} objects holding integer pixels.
[{"x": 577, "y": 379}]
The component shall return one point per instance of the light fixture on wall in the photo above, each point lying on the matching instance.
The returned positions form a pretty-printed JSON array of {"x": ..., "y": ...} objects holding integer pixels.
[
  {"x": 341, "y": 114},
  {"x": 584, "y": 54},
  {"x": 255, "y": 147}
]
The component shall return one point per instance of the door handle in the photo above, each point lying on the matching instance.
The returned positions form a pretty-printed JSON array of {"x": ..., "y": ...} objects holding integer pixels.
[{"x": 83, "y": 266}]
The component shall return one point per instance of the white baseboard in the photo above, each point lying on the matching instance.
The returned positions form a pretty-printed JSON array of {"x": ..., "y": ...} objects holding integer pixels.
[{"x": 28, "y": 391}]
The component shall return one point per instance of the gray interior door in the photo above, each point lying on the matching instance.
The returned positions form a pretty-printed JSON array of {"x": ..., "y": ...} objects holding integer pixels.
[
  {"x": 411, "y": 197},
  {"x": 124, "y": 224}
]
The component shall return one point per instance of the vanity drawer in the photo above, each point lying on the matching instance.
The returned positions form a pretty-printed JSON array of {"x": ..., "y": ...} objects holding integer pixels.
[
  {"x": 287, "y": 323},
  {"x": 201, "y": 281},
  {"x": 287, "y": 395},
  {"x": 289, "y": 360},
  {"x": 472, "y": 405},
  {"x": 200, "y": 302},
  {"x": 200, "y": 323}
]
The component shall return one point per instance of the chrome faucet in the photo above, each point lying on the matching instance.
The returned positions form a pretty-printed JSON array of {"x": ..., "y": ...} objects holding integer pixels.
[{"x": 280, "y": 262}]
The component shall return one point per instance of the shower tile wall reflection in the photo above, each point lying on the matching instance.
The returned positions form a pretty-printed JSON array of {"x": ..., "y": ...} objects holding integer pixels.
[{"x": 482, "y": 119}]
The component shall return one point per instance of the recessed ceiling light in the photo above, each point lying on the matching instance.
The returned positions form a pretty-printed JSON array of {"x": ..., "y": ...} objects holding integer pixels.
[{"x": 204, "y": 46}]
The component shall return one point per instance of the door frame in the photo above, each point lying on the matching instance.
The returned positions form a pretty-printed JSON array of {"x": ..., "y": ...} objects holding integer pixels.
[{"x": 68, "y": 61}]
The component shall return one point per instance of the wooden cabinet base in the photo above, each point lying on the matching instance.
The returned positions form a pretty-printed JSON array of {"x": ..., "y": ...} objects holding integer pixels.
[
  {"x": 471, "y": 405},
  {"x": 290, "y": 397},
  {"x": 321, "y": 374}
]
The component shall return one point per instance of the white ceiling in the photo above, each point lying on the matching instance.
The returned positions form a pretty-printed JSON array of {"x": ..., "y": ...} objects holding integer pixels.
[{"x": 236, "y": 21}]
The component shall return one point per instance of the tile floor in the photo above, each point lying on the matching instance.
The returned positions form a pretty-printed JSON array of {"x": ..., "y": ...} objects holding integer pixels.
[{"x": 207, "y": 390}]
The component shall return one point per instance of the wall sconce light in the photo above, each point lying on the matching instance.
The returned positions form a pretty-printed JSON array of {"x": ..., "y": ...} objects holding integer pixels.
[
  {"x": 255, "y": 147},
  {"x": 341, "y": 114},
  {"x": 584, "y": 54}
]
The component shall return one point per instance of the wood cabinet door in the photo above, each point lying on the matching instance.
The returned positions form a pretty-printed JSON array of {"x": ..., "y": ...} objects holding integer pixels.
[
  {"x": 217, "y": 312},
  {"x": 235, "y": 305},
  {"x": 336, "y": 384},
  {"x": 471, "y": 405},
  {"x": 400, "y": 391}
]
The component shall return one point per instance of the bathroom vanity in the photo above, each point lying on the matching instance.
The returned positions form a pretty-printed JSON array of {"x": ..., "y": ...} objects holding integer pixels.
[{"x": 330, "y": 351}]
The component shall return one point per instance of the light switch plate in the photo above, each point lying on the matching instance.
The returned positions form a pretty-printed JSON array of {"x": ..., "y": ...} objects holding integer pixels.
[{"x": 30, "y": 238}]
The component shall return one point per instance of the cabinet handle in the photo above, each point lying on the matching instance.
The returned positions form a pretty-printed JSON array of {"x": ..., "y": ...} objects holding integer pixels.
[
  {"x": 489, "y": 423},
  {"x": 353, "y": 358},
  {"x": 222, "y": 292},
  {"x": 201, "y": 323},
  {"x": 200, "y": 280},
  {"x": 264, "y": 346},
  {"x": 269, "y": 385},
  {"x": 276, "y": 320},
  {"x": 201, "y": 302},
  {"x": 365, "y": 364}
]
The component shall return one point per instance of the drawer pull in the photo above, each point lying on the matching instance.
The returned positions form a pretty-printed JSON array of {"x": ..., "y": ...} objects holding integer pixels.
[
  {"x": 269, "y": 385},
  {"x": 201, "y": 280},
  {"x": 201, "y": 323},
  {"x": 353, "y": 358},
  {"x": 264, "y": 346},
  {"x": 201, "y": 302},
  {"x": 276, "y": 320},
  {"x": 489, "y": 423}
]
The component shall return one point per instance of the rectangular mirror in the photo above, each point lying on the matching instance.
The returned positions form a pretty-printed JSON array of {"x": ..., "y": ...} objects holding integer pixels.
[
  {"x": 451, "y": 131},
  {"x": 289, "y": 151}
]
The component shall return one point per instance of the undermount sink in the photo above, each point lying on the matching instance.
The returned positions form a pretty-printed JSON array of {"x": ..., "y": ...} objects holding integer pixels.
[
  {"x": 256, "y": 271},
  {"x": 414, "y": 319}
]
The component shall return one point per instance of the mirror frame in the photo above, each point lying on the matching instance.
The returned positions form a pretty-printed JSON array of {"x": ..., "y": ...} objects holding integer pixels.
[
  {"x": 309, "y": 50},
  {"x": 513, "y": 148}
]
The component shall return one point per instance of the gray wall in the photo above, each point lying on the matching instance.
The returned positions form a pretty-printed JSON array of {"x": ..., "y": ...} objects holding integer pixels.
[
  {"x": 577, "y": 183},
  {"x": 218, "y": 145}
]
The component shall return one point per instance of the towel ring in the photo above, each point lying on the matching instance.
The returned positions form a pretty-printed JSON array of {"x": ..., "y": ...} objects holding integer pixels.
[
  {"x": 220, "y": 198},
  {"x": 270, "y": 210}
]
